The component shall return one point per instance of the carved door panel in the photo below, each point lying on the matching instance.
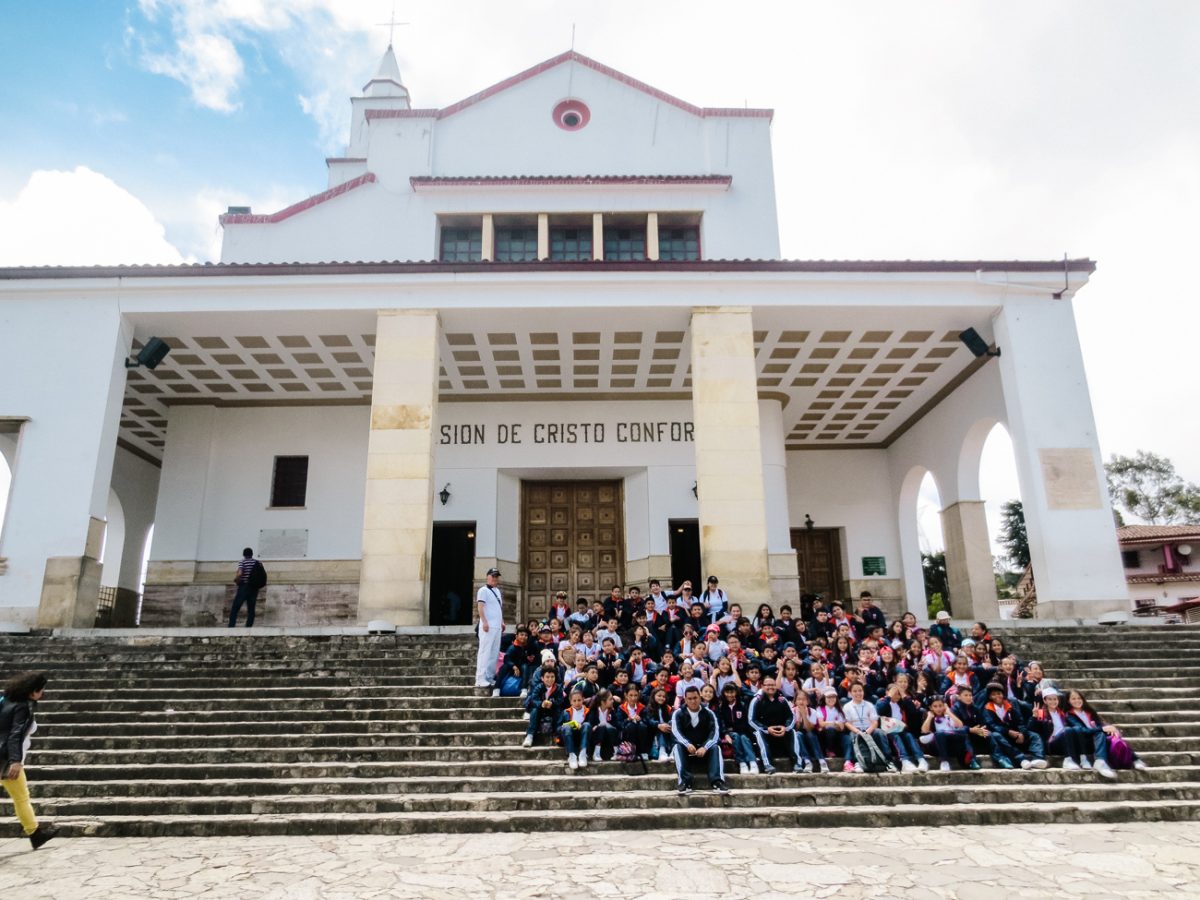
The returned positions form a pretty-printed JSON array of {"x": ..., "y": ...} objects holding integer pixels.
[
  {"x": 572, "y": 541},
  {"x": 819, "y": 560}
]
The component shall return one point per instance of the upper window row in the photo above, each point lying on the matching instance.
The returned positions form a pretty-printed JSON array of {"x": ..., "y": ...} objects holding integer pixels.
[{"x": 623, "y": 239}]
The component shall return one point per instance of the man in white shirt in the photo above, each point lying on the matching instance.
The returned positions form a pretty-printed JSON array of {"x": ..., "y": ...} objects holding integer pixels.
[{"x": 488, "y": 603}]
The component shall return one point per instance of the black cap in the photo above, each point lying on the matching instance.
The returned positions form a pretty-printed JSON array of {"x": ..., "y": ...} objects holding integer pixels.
[{"x": 495, "y": 572}]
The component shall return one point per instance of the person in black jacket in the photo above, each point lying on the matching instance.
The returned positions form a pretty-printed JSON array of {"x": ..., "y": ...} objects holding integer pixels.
[
  {"x": 697, "y": 733},
  {"x": 735, "y": 728},
  {"x": 546, "y": 702},
  {"x": 17, "y": 725},
  {"x": 774, "y": 724}
]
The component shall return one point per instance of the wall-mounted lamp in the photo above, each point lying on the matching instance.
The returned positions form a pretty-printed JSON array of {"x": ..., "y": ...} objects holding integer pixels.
[
  {"x": 1184, "y": 549},
  {"x": 444, "y": 493},
  {"x": 808, "y": 522},
  {"x": 976, "y": 344},
  {"x": 152, "y": 353},
  {"x": 696, "y": 489}
]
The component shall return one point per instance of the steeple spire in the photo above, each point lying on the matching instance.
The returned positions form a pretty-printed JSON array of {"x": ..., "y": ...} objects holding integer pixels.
[{"x": 387, "y": 81}]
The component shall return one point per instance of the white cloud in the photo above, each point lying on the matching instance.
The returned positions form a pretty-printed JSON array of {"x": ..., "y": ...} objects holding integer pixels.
[
  {"x": 208, "y": 64},
  {"x": 79, "y": 218}
]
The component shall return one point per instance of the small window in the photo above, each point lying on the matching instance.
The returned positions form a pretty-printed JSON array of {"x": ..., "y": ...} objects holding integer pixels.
[
  {"x": 624, "y": 243},
  {"x": 1131, "y": 558},
  {"x": 679, "y": 243},
  {"x": 570, "y": 243},
  {"x": 289, "y": 484},
  {"x": 462, "y": 244},
  {"x": 516, "y": 244}
]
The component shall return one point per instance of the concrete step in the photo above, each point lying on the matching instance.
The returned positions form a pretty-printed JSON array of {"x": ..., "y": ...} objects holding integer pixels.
[
  {"x": 506, "y": 727},
  {"x": 605, "y": 777},
  {"x": 388, "y": 713},
  {"x": 746, "y": 795},
  {"x": 697, "y": 811},
  {"x": 524, "y": 763}
]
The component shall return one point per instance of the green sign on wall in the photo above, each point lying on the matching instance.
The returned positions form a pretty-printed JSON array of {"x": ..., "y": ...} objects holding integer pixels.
[{"x": 874, "y": 565}]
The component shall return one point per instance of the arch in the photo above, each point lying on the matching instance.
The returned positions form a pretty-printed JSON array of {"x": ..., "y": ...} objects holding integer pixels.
[
  {"x": 113, "y": 547},
  {"x": 909, "y": 523},
  {"x": 970, "y": 455},
  {"x": 6, "y": 473}
]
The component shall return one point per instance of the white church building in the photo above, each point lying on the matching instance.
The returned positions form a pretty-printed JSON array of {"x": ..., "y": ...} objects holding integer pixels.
[{"x": 546, "y": 328}]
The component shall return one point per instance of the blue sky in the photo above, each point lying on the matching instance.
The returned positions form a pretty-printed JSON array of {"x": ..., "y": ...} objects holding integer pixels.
[{"x": 934, "y": 129}]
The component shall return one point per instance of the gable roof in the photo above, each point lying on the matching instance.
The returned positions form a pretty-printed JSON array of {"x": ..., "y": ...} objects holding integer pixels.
[
  {"x": 575, "y": 57},
  {"x": 1151, "y": 534}
]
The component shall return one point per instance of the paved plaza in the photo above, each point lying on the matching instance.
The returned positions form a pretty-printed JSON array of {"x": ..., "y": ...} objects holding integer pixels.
[{"x": 1094, "y": 861}]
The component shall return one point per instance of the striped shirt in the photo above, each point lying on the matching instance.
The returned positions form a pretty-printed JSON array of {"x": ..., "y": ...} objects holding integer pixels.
[{"x": 245, "y": 567}]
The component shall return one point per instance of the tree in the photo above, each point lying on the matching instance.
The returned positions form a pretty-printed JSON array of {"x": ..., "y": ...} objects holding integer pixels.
[
  {"x": 1013, "y": 537},
  {"x": 1147, "y": 487},
  {"x": 936, "y": 584}
]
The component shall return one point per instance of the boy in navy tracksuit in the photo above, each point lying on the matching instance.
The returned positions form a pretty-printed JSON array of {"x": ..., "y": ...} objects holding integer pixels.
[
  {"x": 546, "y": 701},
  {"x": 1014, "y": 741},
  {"x": 697, "y": 734},
  {"x": 774, "y": 724},
  {"x": 735, "y": 728}
]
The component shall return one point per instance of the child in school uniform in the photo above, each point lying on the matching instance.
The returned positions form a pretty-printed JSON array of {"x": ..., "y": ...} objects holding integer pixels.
[
  {"x": 1082, "y": 715},
  {"x": 949, "y": 736},
  {"x": 574, "y": 731},
  {"x": 831, "y": 728}
]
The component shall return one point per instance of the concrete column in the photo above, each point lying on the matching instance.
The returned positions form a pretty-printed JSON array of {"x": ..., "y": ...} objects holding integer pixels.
[
  {"x": 135, "y": 482},
  {"x": 729, "y": 462},
  {"x": 652, "y": 236},
  {"x": 969, "y": 561},
  {"x": 398, "y": 511},
  {"x": 59, "y": 495},
  {"x": 1072, "y": 538},
  {"x": 597, "y": 236},
  {"x": 543, "y": 235},
  {"x": 488, "y": 252}
]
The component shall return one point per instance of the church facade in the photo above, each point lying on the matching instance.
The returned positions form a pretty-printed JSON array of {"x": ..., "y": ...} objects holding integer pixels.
[{"x": 546, "y": 329}]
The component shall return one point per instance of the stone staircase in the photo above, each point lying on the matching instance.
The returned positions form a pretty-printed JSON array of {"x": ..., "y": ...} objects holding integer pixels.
[{"x": 239, "y": 735}]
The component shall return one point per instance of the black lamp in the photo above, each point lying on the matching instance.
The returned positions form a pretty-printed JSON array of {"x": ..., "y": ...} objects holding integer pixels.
[
  {"x": 696, "y": 489},
  {"x": 444, "y": 493},
  {"x": 976, "y": 344},
  {"x": 154, "y": 351},
  {"x": 808, "y": 522}
]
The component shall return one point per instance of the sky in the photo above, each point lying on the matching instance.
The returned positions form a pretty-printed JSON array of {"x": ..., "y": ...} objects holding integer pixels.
[{"x": 937, "y": 129}]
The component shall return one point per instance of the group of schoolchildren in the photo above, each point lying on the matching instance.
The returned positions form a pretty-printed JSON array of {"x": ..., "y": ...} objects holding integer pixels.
[{"x": 689, "y": 678}]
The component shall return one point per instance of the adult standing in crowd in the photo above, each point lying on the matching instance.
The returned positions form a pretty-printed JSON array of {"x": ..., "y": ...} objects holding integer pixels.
[
  {"x": 251, "y": 578},
  {"x": 17, "y": 727},
  {"x": 488, "y": 604}
]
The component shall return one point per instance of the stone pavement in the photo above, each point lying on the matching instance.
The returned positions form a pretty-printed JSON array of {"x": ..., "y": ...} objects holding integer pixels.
[{"x": 984, "y": 862}]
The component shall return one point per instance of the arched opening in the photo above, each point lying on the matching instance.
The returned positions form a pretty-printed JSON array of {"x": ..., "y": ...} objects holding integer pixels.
[
  {"x": 921, "y": 540},
  {"x": 113, "y": 546},
  {"x": 5, "y": 486},
  {"x": 142, "y": 571},
  {"x": 1000, "y": 490}
]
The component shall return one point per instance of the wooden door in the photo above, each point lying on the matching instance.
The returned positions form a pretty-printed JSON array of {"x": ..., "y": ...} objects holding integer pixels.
[
  {"x": 573, "y": 541},
  {"x": 819, "y": 561}
]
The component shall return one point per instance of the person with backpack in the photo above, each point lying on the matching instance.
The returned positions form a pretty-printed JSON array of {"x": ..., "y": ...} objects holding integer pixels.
[
  {"x": 251, "y": 578},
  {"x": 17, "y": 727}
]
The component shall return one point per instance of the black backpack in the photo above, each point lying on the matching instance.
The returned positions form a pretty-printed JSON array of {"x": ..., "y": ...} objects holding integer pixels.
[{"x": 258, "y": 577}]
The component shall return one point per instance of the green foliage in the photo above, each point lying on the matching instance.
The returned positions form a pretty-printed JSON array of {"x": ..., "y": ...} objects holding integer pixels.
[
  {"x": 935, "y": 605},
  {"x": 1013, "y": 537},
  {"x": 936, "y": 584},
  {"x": 1146, "y": 486}
]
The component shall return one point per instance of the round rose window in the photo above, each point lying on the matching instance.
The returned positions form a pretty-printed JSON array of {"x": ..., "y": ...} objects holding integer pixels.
[{"x": 571, "y": 115}]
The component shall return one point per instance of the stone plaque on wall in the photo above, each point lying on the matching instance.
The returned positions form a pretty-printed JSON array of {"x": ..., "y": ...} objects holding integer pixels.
[
  {"x": 282, "y": 543},
  {"x": 1070, "y": 478}
]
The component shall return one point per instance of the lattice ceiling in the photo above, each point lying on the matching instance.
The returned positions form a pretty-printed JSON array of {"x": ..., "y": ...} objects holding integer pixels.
[{"x": 842, "y": 386}]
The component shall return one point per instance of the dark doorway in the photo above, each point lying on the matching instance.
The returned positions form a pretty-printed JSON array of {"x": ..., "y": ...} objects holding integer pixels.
[
  {"x": 451, "y": 574},
  {"x": 685, "y": 553},
  {"x": 819, "y": 561}
]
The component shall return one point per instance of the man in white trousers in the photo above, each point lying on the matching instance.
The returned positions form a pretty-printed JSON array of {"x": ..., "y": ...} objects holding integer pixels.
[{"x": 491, "y": 629}]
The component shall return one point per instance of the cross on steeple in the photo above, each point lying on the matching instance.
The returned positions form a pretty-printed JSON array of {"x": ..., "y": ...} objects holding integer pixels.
[{"x": 391, "y": 25}]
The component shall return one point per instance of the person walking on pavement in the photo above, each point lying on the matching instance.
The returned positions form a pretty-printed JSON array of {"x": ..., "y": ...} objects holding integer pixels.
[
  {"x": 489, "y": 604},
  {"x": 250, "y": 579},
  {"x": 17, "y": 727}
]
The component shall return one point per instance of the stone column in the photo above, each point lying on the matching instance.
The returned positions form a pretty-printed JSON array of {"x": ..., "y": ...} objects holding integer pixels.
[
  {"x": 543, "y": 235},
  {"x": 597, "y": 235},
  {"x": 652, "y": 251},
  {"x": 729, "y": 463},
  {"x": 60, "y": 489},
  {"x": 1068, "y": 517},
  {"x": 398, "y": 510},
  {"x": 487, "y": 250},
  {"x": 969, "y": 562}
]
